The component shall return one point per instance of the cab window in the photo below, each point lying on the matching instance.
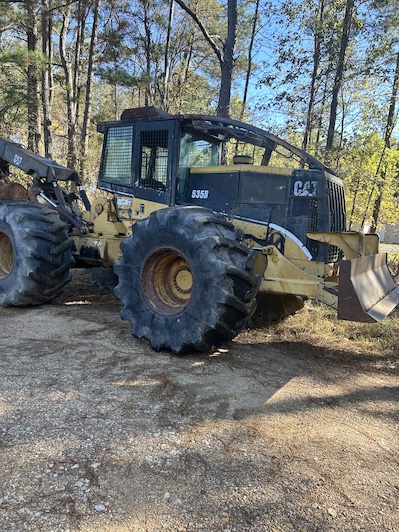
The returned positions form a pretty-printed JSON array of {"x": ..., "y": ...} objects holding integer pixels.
[{"x": 195, "y": 151}]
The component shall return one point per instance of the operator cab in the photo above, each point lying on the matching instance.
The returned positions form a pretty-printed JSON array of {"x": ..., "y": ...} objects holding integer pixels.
[
  {"x": 137, "y": 158},
  {"x": 221, "y": 164}
]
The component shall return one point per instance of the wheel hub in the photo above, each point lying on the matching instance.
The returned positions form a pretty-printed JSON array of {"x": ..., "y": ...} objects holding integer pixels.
[
  {"x": 183, "y": 281},
  {"x": 167, "y": 282},
  {"x": 6, "y": 256}
]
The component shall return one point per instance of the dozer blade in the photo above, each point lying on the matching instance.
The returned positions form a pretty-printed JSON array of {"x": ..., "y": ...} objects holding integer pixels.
[{"x": 366, "y": 291}]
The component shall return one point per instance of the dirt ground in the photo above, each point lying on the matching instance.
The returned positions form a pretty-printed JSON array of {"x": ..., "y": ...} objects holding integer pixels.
[{"x": 98, "y": 432}]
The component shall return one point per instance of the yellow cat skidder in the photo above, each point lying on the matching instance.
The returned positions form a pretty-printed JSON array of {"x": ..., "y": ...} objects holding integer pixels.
[{"x": 187, "y": 241}]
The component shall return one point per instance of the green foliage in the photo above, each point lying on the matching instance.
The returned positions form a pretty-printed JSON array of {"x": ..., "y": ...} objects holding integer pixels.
[
  {"x": 361, "y": 164},
  {"x": 132, "y": 69}
]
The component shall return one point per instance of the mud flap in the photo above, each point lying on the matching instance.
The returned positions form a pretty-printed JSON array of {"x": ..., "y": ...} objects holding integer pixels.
[{"x": 366, "y": 291}]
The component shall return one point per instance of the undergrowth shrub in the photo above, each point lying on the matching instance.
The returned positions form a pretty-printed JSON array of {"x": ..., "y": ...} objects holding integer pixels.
[{"x": 393, "y": 265}]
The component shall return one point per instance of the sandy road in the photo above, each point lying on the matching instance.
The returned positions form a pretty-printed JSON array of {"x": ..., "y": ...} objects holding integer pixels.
[{"x": 98, "y": 432}]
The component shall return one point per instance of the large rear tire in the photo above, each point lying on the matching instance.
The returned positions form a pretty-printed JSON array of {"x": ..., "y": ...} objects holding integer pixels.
[
  {"x": 35, "y": 254},
  {"x": 186, "y": 281}
]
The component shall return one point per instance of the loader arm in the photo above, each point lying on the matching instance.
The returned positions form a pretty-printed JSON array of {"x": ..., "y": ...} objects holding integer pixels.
[
  {"x": 45, "y": 174},
  {"x": 360, "y": 287},
  {"x": 32, "y": 164}
]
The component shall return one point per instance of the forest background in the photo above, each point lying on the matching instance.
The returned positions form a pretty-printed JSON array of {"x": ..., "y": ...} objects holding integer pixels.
[{"x": 323, "y": 74}]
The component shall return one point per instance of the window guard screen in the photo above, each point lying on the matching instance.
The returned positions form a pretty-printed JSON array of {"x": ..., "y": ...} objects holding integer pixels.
[
  {"x": 117, "y": 159},
  {"x": 154, "y": 159}
]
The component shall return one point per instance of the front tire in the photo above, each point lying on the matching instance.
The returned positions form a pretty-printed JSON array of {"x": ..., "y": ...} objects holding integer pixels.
[
  {"x": 185, "y": 280},
  {"x": 35, "y": 254}
]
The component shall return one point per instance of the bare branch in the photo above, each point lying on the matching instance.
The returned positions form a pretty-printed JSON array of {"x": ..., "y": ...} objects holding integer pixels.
[{"x": 204, "y": 31}]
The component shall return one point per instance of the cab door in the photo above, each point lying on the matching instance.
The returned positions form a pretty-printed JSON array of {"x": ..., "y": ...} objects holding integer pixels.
[{"x": 155, "y": 157}]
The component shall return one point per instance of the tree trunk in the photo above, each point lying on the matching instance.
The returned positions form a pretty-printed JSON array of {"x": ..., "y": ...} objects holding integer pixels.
[
  {"x": 318, "y": 38},
  {"x": 89, "y": 84},
  {"x": 249, "y": 68},
  {"x": 72, "y": 73},
  {"x": 387, "y": 144},
  {"x": 47, "y": 78},
  {"x": 32, "y": 78},
  {"x": 71, "y": 108},
  {"x": 78, "y": 58},
  {"x": 320, "y": 113},
  {"x": 227, "y": 63},
  {"x": 148, "y": 100},
  {"x": 226, "y": 59},
  {"x": 167, "y": 59},
  {"x": 339, "y": 76}
]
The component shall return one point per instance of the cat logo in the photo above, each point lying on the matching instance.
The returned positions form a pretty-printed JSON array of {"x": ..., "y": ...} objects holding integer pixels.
[{"x": 307, "y": 188}]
